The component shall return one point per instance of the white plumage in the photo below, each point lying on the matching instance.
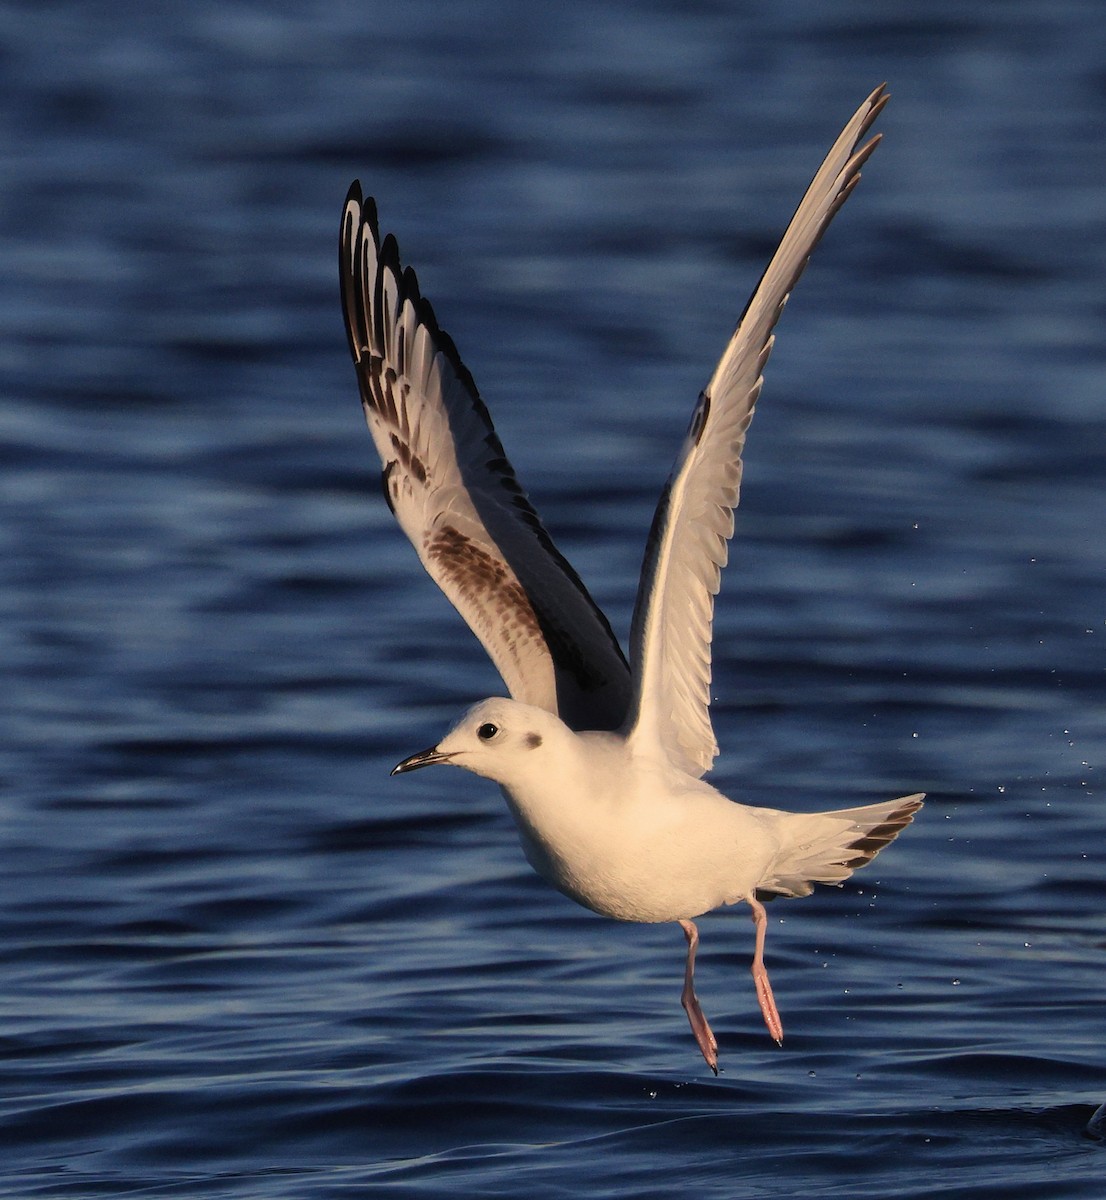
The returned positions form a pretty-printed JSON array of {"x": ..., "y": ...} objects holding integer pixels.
[{"x": 599, "y": 759}]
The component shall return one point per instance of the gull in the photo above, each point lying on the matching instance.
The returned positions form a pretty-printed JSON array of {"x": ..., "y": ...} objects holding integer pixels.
[{"x": 601, "y": 759}]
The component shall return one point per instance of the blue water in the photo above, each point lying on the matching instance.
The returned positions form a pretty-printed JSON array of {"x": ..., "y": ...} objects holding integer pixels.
[{"x": 236, "y": 959}]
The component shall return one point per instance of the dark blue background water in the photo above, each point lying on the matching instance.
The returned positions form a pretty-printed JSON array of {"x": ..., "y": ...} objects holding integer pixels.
[{"x": 236, "y": 959}]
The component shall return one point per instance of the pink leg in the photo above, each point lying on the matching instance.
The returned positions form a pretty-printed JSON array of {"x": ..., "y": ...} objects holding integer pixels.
[
  {"x": 690, "y": 1001},
  {"x": 760, "y": 975}
]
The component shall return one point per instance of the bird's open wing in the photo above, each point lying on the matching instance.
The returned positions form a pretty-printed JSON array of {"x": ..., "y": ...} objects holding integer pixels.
[
  {"x": 671, "y": 632},
  {"x": 454, "y": 493}
]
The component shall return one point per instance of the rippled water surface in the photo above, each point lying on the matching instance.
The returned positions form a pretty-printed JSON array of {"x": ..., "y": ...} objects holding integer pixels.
[{"x": 236, "y": 959}]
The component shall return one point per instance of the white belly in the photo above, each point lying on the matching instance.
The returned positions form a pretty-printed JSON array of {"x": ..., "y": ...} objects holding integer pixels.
[{"x": 644, "y": 860}]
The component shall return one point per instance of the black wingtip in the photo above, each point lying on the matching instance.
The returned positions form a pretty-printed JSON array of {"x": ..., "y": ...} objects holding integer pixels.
[
  {"x": 411, "y": 286},
  {"x": 349, "y": 237},
  {"x": 366, "y": 208},
  {"x": 389, "y": 256}
]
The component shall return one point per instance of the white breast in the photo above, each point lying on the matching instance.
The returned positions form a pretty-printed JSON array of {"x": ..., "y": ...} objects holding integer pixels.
[{"x": 639, "y": 842}]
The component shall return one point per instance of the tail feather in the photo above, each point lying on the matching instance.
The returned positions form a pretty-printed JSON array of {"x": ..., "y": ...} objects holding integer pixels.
[{"x": 831, "y": 849}]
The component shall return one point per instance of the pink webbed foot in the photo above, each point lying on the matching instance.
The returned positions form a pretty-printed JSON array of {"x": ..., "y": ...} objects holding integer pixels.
[
  {"x": 765, "y": 998},
  {"x": 700, "y": 1027}
]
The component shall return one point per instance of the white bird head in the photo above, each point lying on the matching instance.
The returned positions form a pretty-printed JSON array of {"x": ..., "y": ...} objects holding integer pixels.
[{"x": 500, "y": 739}]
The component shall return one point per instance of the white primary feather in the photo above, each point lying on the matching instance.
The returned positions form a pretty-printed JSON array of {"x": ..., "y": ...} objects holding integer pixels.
[{"x": 670, "y": 641}]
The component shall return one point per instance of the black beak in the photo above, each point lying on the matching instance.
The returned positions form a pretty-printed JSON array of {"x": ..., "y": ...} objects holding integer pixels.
[{"x": 424, "y": 758}]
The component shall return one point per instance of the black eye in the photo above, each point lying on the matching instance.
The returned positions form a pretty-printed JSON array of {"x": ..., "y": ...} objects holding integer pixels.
[{"x": 487, "y": 731}]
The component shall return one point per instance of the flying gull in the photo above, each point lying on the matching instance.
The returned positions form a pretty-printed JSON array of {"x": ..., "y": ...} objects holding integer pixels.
[{"x": 601, "y": 760}]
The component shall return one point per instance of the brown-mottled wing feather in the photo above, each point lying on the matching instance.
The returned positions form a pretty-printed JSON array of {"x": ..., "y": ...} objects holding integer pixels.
[{"x": 455, "y": 495}]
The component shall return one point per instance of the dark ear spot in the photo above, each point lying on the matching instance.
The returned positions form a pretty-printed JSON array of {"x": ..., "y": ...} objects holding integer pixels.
[{"x": 533, "y": 741}]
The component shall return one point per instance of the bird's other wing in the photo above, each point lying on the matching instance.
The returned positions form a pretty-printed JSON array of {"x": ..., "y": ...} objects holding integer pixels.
[
  {"x": 449, "y": 484},
  {"x": 670, "y": 639}
]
